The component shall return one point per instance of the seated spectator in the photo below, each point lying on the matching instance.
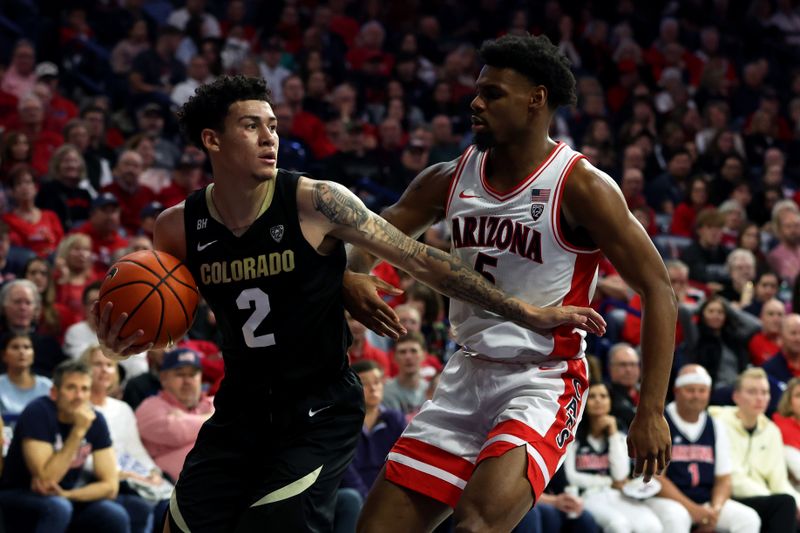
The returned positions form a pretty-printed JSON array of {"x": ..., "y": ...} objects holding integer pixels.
[
  {"x": 784, "y": 365},
  {"x": 433, "y": 326},
  {"x": 706, "y": 256},
  {"x": 406, "y": 392},
  {"x": 787, "y": 418},
  {"x": 16, "y": 150},
  {"x": 765, "y": 288},
  {"x": 132, "y": 196},
  {"x": 156, "y": 178},
  {"x": 32, "y": 122},
  {"x": 749, "y": 238},
  {"x": 104, "y": 227},
  {"x": 53, "y": 317},
  {"x": 784, "y": 259},
  {"x": 719, "y": 343},
  {"x": 557, "y": 510},
  {"x": 63, "y": 193},
  {"x": 382, "y": 427},
  {"x": 361, "y": 350},
  {"x": 624, "y": 373},
  {"x": 44, "y": 476},
  {"x": 411, "y": 319},
  {"x": 74, "y": 271},
  {"x": 20, "y": 76},
  {"x": 19, "y": 385},
  {"x": 766, "y": 343},
  {"x": 170, "y": 421},
  {"x": 147, "y": 224},
  {"x": 738, "y": 289},
  {"x": 19, "y": 307},
  {"x": 696, "y": 487},
  {"x": 597, "y": 463},
  {"x": 758, "y": 480},
  {"x": 147, "y": 384},
  {"x": 98, "y": 168},
  {"x": 186, "y": 178},
  {"x": 138, "y": 472},
  {"x": 686, "y": 211},
  {"x": 155, "y": 71},
  {"x": 36, "y": 229}
]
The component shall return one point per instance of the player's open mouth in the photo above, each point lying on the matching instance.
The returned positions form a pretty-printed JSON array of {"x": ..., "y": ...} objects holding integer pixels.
[
  {"x": 477, "y": 123},
  {"x": 269, "y": 159}
]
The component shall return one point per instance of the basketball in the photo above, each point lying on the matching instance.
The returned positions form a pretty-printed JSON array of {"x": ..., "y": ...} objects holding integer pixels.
[{"x": 157, "y": 292}]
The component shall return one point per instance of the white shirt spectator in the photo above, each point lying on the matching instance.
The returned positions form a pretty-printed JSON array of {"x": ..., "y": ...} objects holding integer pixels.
[
  {"x": 180, "y": 17},
  {"x": 80, "y": 336}
]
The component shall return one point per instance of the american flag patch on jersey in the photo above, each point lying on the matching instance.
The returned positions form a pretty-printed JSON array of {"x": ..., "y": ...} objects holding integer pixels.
[{"x": 540, "y": 195}]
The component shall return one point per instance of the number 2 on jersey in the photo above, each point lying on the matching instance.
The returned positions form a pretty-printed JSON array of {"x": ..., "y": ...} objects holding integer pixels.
[{"x": 257, "y": 300}]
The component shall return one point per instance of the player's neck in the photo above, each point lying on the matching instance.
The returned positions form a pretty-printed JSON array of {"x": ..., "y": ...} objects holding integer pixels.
[
  {"x": 238, "y": 207},
  {"x": 510, "y": 163}
]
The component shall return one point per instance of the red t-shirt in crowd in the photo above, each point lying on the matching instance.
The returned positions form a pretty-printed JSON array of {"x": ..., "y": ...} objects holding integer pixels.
[
  {"x": 103, "y": 248},
  {"x": 762, "y": 348},
  {"x": 371, "y": 353},
  {"x": 42, "y": 237},
  {"x": 790, "y": 429},
  {"x": 131, "y": 204},
  {"x": 172, "y": 194}
]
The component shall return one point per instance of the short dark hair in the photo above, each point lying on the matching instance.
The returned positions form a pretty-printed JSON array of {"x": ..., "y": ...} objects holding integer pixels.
[
  {"x": 70, "y": 366},
  {"x": 413, "y": 336},
  {"x": 539, "y": 60},
  {"x": 366, "y": 365},
  {"x": 210, "y": 103},
  {"x": 93, "y": 286}
]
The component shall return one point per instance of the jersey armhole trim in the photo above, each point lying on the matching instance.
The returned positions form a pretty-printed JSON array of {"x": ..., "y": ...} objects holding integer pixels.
[
  {"x": 556, "y": 213},
  {"x": 455, "y": 177}
]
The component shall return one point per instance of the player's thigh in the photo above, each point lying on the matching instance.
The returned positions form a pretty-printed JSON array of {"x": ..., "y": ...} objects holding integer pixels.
[
  {"x": 498, "y": 495},
  {"x": 391, "y": 508}
]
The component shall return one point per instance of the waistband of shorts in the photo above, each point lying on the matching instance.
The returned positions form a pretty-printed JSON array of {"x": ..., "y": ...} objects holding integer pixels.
[{"x": 524, "y": 360}]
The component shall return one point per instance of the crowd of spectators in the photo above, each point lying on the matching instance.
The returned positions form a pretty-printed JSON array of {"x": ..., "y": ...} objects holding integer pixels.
[{"x": 693, "y": 107}]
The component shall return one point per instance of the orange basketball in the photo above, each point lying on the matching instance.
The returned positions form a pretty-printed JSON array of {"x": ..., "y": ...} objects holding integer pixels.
[{"x": 157, "y": 291}]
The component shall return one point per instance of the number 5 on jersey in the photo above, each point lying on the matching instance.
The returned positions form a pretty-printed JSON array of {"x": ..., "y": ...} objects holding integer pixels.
[
  {"x": 258, "y": 301},
  {"x": 484, "y": 261}
]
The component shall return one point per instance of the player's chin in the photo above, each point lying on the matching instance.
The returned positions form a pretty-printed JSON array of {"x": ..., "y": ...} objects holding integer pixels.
[{"x": 267, "y": 174}]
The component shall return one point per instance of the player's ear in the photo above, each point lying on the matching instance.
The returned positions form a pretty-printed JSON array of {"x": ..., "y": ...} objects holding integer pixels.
[
  {"x": 538, "y": 97},
  {"x": 210, "y": 139}
]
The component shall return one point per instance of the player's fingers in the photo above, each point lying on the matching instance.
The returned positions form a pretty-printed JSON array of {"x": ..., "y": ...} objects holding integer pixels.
[
  {"x": 105, "y": 318},
  {"x": 126, "y": 343},
  {"x": 649, "y": 467},
  {"x": 638, "y": 466},
  {"x": 631, "y": 448},
  {"x": 667, "y": 455},
  {"x": 391, "y": 323},
  {"x": 383, "y": 286},
  {"x": 661, "y": 463}
]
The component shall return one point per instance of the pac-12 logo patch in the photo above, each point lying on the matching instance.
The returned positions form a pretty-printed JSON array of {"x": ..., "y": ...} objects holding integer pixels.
[
  {"x": 277, "y": 232},
  {"x": 536, "y": 211}
]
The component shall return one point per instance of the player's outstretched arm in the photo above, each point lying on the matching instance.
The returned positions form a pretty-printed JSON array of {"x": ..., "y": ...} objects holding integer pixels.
[
  {"x": 345, "y": 217},
  {"x": 593, "y": 201}
]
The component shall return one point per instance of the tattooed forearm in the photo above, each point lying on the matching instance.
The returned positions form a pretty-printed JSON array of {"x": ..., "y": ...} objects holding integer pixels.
[{"x": 463, "y": 283}]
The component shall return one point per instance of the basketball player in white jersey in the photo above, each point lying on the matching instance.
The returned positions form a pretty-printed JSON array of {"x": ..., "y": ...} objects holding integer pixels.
[{"x": 534, "y": 217}]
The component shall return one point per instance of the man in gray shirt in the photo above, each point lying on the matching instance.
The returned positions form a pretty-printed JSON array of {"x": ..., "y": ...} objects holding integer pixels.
[{"x": 406, "y": 391}]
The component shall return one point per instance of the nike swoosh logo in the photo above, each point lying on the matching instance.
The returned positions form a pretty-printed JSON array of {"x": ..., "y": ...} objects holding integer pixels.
[
  {"x": 465, "y": 196},
  {"x": 201, "y": 247},
  {"x": 312, "y": 412}
]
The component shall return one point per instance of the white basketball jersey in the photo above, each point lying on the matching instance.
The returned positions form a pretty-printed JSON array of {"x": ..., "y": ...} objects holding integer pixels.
[{"x": 514, "y": 239}]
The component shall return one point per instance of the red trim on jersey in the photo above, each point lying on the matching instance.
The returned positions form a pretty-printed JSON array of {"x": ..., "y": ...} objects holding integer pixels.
[
  {"x": 456, "y": 176},
  {"x": 503, "y": 196},
  {"x": 423, "y": 482},
  {"x": 547, "y": 445},
  {"x": 566, "y": 341},
  {"x": 556, "y": 214}
]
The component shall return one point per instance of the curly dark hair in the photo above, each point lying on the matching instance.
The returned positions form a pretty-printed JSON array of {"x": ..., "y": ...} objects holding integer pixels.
[
  {"x": 210, "y": 104},
  {"x": 536, "y": 58}
]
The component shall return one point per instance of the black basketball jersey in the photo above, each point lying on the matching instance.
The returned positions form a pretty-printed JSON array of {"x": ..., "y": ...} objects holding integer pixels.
[
  {"x": 691, "y": 467},
  {"x": 591, "y": 460},
  {"x": 277, "y": 302}
]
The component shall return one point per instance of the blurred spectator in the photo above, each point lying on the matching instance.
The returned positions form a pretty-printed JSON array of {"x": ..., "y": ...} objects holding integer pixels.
[
  {"x": 305, "y": 126},
  {"x": 787, "y": 418},
  {"x": 785, "y": 257},
  {"x": 20, "y": 76},
  {"x": 138, "y": 472},
  {"x": 132, "y": 45},
  {"x": 20, "y": 302},
  {"x": 431, "y": 311},
  {"x": 37, "y": 229},
  {"x": 156, "y": 178},
  {"x": 19, "y": 385},
  {"x": 273, "y": 72},
  {"x": 668, "y": 189},
  {"x": 16, "y": 151},
  {"x": 597, "y": 463},
  {"x": 147, "y": 384},
  {"x": 739, "y": 289},
  {"x": 361, "y": 350},
  {"x": 696, "y": 487},
  {"x": 53, "y": 318},
  {"x": 624, "y": 373},
  {"x": 131, "y": 196},
  {"x": 147, "y": 223},
  {"x": 727, "y": 176},
  {"x": 766, "y": 343},
  {"x": 719, "y": 343},
  {"x": 98, "y": 169},
  {"x": 156, "y": 71},
  {"x": 102, "y": 138},
  {"x": 784, "y": 365},
  {"x": 150, "y": 119},
  {"x": 103, "y": 227},
  {"x": 686, "y": 211},
  {"x": 83, "y": 334},
  {"x": 187, "y": 177},
  {"x": 406, "y": 392},
  {"x": 411, "y": 319},
  {"x": 179, "y": 18},
  {"x": 750, "y": 239},
  {"x": 382, "y": 427},
  {"x": 445, "y": 145},
  {"x": 60, "y": 110},
  {"x": 63, "y": 192},
  {"x": 758, "y": 480},
  {"x": 292, "y": 151},
  {"x": 44, "y": 142},
  {"x": 197, "y": 74},
  {"x": 74, "y": 271},
  {"x": 706, "y": 256},
  {"x": 766, "y": 288},
  {"x": 169, "y": 421}
]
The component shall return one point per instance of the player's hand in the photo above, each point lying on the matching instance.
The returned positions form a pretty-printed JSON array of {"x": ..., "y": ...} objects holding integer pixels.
[
  {"x": 108, "y": 334},
  {"x": 585, "y": 318},
  {"x": 361, "y": 299},
  {"x": 649, "y": 444}
]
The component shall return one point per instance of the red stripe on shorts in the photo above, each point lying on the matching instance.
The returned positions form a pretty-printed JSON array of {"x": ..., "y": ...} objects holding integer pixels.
[
  {"x": 548, "y": 445},
  {"x": 427, "y": 483}
]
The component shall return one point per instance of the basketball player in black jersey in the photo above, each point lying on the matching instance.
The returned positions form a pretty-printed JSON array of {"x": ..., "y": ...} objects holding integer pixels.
[{"x": 266, "y": 249}]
